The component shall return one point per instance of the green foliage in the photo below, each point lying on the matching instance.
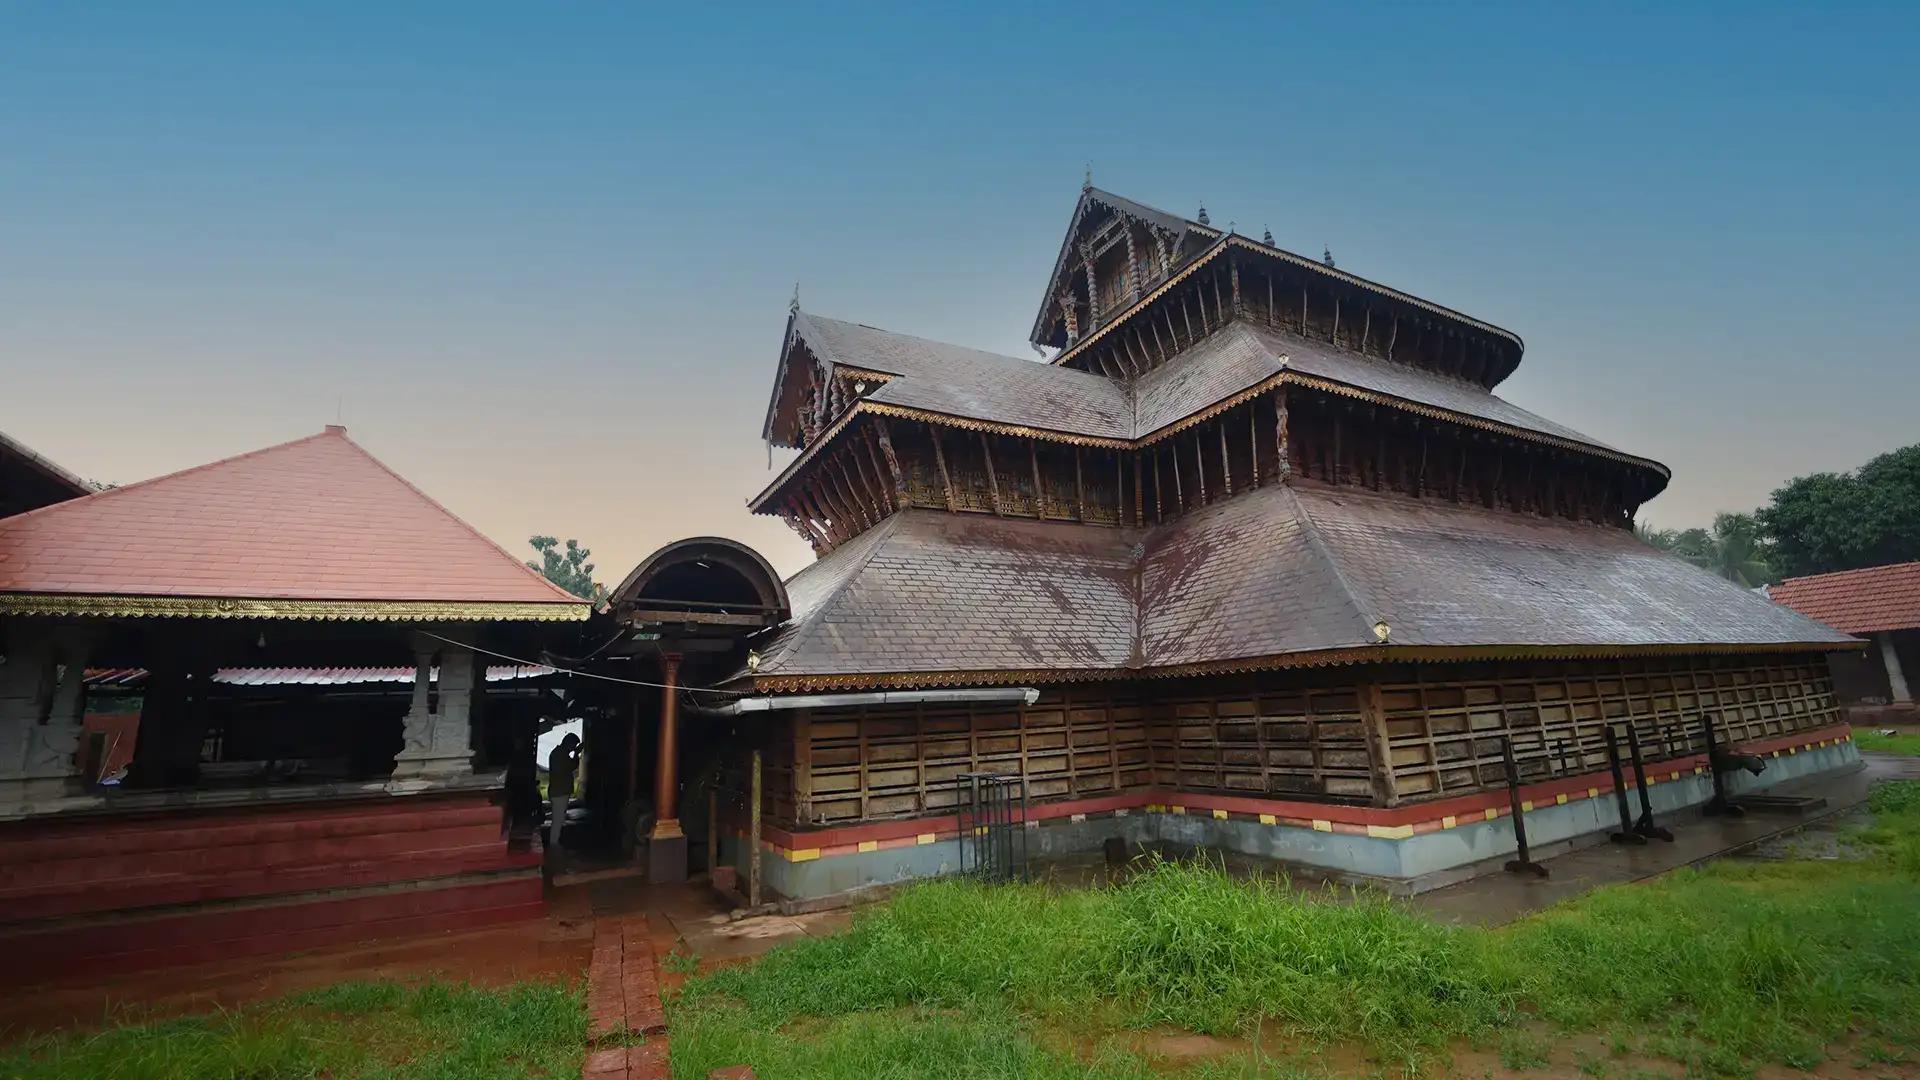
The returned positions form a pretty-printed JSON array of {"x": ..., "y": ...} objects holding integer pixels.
[
  {"x": 1842, "y": 521},
  {"x": 568, "y": 569},
  {"x": 1721, "y": 967},
  {"x": 1733, "y": 548},
  {"x": 433, "y": 1031}
]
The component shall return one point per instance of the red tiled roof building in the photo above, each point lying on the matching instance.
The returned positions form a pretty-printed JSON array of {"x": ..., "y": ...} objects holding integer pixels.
[
  {"x": 186, "y": 813},
  {"x": 1268, "y": 547},
  {"x": 1878, "y": 602}
]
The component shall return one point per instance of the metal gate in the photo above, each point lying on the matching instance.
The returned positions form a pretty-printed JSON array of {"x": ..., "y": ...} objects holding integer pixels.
[{"x": 993, "y": 830}]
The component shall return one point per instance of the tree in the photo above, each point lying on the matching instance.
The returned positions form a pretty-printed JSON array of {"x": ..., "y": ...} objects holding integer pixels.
[
  {"x": 1733, "y": 548},
  {"x": 1842, "y": 521},
  {"x": 569, "y": 569}
]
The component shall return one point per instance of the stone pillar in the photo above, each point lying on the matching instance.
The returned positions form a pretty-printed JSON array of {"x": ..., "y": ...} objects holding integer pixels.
[
  {"x": 667, "y": 846},
  {"x": 436, "y": 739},
  {"x": 1898, "y": 691},
  {"x": 42, "y": 704}
]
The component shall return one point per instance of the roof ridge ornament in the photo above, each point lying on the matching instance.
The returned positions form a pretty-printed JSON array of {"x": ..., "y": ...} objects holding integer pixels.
[
  {"x": 1086, "y": 179},
  {"x": 1326, "y": 255},
  {"x": 1203, "y": 215},
  {"x": 1267, "y": 237},
  {"x": 793, "y": 305}
]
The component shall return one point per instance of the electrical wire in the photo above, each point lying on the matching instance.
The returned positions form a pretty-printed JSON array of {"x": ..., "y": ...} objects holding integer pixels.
[{"x": 574, "y": 671}]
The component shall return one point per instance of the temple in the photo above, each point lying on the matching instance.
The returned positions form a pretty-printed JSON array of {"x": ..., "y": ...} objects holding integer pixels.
[{"x": 1257, "y": 560}]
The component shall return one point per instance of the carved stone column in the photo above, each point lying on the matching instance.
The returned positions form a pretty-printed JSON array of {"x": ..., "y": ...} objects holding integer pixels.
[
  {"x": 437, "y": 740},
  {"x": 42, "y": 705}
]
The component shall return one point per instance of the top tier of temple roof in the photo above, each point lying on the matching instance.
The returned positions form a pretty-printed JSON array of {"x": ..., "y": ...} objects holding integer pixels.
[
  {"x": 1164, "y": 325},
  {"x": 1119, "y": 255}
]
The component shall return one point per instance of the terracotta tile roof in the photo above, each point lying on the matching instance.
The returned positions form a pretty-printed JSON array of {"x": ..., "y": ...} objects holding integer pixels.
[
  {"x": 1857, "y": 601},
  {"x": 1295, "y": 569},
  {"x": 317, "y": 519}
]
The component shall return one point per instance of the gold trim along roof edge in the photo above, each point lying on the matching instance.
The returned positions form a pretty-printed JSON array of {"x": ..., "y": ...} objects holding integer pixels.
[
  {"x": 1363, "y": 654},
  {"x": 201, "y": 607}
]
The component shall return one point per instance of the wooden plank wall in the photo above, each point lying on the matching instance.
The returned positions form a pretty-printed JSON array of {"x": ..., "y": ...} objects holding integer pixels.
[
  {"x": 1298, "y": 735},
  {"x": 892, "y": 762},
  {"x": 1443, "y": 724},
  {"x": 1294, "y": 734}
]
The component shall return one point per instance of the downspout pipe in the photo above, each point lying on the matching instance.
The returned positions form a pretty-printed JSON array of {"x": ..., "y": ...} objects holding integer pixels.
[{"x": 1007, "y": 695}]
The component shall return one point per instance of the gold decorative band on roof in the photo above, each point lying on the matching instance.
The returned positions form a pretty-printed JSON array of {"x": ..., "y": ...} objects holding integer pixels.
[
  {"x": 996, "y": 427},
  {"x": 1363, "y": 654},
  {"x": 199, "y": 607}
]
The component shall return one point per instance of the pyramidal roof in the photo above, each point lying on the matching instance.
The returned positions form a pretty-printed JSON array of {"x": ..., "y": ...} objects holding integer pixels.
[{"x": 314, "y": 528}]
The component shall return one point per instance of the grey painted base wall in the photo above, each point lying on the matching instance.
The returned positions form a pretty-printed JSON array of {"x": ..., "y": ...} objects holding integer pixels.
[{"x": 1435, "y": 857}]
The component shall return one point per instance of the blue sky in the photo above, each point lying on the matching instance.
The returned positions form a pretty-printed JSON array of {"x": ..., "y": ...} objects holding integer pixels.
[{"x": 538, "y": 257}]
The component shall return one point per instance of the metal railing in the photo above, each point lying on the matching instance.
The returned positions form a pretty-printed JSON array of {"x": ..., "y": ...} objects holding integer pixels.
[{"x": 993, "y": 826}]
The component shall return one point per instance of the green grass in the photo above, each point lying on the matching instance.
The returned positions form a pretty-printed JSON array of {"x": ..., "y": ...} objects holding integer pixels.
[
  {"x": 1904, "y": 743},
  {"x": 1718, "y": 968},
  {"x": 434, "y": 1031}
]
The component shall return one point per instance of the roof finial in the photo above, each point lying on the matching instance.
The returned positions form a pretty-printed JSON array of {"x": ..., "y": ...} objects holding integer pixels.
[
  {"x": 1203, "y": 215},
  {"x": 1326, "y": 255},
  {"x": 1086, "y": 181},
  {"x": 793, "y": 305},
  {"x": 1231, "y": 229},
  {"x": 1267, "y": 238}
]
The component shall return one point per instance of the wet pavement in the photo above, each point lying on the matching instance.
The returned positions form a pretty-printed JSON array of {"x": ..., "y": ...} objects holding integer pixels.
[
  {"x": 554, "y": 948},
  {"x": 1498, "y": 897}
]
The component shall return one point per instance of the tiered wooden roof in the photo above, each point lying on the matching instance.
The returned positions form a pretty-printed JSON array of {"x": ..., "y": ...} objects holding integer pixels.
[
  {"x": 1291, "y": 575},
  {"x": 1238, "y": 458}
]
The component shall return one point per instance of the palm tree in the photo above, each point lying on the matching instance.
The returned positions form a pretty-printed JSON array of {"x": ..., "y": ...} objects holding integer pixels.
[{"x": 1733, "y": 548}]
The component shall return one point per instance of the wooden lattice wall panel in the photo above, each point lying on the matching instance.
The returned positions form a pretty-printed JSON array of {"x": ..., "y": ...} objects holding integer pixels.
[
  {"x": 892, "y": 762},
  {"x": 1443, "y": 726},
  {"x": 1263, "y": 740}
]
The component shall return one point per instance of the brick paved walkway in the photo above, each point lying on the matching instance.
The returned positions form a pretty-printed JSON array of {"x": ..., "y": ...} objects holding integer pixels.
[{"x": 623, "y": 1001}]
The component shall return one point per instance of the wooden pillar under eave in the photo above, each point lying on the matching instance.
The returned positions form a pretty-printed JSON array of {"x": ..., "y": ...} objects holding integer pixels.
[{"x": 667, "y": 845}]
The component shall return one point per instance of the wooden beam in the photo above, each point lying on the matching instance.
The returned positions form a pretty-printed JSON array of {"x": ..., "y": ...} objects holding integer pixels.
[
  {"x": 1283, "y": 465},
  {"x": 1159, "y": 511},
  {"x": 1226, "y": 462},
  {"x": 1079, "y": 489},
  {"x": 993, "y": 481},
  {"x": 1253, "y": 441},
  {"x": 1039, "y": 488},
  {"x": 877, "y": 493},
  {"x": 1199, "y": 469},
  {"x": 940, "y": 460},
  {"x": 1373, "y": 716},
  {"x": 893, "y": 460}
]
